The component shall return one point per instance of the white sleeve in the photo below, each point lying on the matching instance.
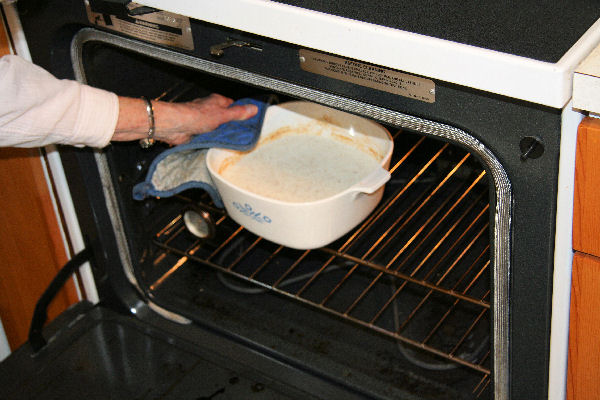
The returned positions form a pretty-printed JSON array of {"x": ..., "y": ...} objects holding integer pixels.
[{"x": 36, "y": 109}]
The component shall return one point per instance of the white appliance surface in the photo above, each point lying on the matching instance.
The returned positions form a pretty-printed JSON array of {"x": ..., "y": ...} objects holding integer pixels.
[
  {"x": 586, "y": 83},
  {"x": 506, "y": 74}
]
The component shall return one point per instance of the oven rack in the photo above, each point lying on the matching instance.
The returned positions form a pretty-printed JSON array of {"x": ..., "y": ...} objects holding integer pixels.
[{"x": 416, "y": 270}]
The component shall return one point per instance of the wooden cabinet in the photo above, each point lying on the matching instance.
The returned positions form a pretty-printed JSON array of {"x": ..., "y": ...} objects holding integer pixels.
[
  {"x": 586, "y": 217},
  {"x": 584, "y": 330},
  {"x": 4, "y": 43},
  {"x": 583, "y": 378}
]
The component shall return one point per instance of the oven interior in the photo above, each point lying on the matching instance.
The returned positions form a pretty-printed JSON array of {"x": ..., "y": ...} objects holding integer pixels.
[{"x": 399, "y": 307}]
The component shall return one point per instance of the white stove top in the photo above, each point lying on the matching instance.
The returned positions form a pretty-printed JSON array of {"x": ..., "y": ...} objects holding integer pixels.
[{"x": 518, "y": 77}]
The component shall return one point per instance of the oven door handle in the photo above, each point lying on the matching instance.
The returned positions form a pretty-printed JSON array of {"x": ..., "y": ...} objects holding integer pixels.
[{"x": 36, "y": 339}]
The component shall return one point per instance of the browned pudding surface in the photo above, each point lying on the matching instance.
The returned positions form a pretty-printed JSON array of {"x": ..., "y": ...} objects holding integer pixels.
[{"x": 300, "y": 168}]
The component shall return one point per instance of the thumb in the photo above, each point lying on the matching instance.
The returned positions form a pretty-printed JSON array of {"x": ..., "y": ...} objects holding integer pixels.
[{"x": 242, "y": 112}]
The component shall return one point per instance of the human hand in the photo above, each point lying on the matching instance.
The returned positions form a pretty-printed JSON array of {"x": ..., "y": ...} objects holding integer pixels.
[{"x": 176, "y": 123}]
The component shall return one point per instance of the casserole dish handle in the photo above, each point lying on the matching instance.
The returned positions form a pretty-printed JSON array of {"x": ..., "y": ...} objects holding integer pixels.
[{"x": 372, "y": 182}]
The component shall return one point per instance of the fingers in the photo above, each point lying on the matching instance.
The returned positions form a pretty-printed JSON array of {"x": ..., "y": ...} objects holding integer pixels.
[
  {"x": 242, "y": 112},
  {"x": 218, "y": 107},
  {"x": 178, "y": 122},
  {"x": 236, "y": 113},
  {"x": 216, "y": 99}
]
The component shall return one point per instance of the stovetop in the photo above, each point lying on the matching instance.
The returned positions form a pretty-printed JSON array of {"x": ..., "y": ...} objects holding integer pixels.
[
  {"x": 543, "y": 33},
  {"x": 525, "y": 51}
]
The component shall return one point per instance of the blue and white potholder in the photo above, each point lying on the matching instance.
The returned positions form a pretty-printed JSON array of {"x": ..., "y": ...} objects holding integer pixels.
[{"x": 184, "y": 167}]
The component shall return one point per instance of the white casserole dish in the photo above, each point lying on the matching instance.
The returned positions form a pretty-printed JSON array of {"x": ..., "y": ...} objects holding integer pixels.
[{"x": 308, "y": 224}]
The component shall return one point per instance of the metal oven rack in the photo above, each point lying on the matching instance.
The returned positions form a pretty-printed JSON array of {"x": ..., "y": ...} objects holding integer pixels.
[{"x": 417, "y": 269}]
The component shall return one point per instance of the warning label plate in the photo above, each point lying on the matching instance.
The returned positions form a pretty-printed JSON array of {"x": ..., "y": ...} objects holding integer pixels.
[
  {"x": 158, "y": 27},
  {"x": 371, "y": 76}
]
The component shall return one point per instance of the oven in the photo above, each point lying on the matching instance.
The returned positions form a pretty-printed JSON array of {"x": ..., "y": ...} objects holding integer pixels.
[{"x": 446, "y": 290}]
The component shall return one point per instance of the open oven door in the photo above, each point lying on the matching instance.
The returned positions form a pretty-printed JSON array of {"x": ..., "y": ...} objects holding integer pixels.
[{"x": 94, "y": 352}]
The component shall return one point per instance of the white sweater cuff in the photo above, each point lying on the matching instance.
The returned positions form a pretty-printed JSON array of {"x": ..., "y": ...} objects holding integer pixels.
[{"x": 97, "y": 117}]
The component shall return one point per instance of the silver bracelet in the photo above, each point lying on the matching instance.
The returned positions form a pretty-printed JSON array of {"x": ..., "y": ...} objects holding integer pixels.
[{"x": 149, "y": 140}]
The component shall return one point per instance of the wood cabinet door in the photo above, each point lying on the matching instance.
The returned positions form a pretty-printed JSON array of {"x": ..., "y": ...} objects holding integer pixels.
[
  {"x": 586, "y": 216},
  {"x": 583, "y": 377},
  {"x": 583, "y": 381}
]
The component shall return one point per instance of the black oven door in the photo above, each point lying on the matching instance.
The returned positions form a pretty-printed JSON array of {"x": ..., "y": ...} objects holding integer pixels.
[{"x": 95, "y": 352}]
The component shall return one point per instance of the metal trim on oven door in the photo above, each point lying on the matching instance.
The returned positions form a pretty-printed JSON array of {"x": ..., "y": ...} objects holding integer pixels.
[{"x": 502, "y": 217}]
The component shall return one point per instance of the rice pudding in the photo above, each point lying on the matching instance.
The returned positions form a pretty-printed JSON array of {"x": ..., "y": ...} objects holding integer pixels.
[{"x": 299, "y": 167}]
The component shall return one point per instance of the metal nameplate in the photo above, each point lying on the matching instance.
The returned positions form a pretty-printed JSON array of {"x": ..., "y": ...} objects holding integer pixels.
[
  {"x": 371, "y": 76},
  {"x": 158, "y": 27}
]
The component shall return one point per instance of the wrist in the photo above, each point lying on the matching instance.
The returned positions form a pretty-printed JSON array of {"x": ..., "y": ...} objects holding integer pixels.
[
  {"x": 132, "y": 123},
  {"x": 149, "y": 140}
]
